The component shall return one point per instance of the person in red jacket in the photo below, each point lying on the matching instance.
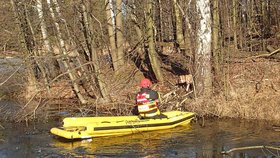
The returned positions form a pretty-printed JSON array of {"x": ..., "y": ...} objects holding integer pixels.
[{"x": 147, "y": 101}]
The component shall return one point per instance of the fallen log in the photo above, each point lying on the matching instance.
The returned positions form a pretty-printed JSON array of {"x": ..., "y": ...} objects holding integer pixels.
[{"x": 268, "y": 54}]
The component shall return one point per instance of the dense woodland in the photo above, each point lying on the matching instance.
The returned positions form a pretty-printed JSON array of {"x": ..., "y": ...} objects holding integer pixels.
[{"x": 213, "y": 57}]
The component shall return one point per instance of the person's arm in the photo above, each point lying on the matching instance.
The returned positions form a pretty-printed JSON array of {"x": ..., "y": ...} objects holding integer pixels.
[{"x": 154, "y": 95}]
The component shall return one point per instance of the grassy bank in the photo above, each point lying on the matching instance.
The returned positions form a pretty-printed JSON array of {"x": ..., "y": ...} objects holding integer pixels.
[{"x": 254, "y": 93}]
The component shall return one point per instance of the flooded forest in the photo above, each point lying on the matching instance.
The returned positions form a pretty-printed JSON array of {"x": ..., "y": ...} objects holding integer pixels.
[{"x": 217, "y": 58}]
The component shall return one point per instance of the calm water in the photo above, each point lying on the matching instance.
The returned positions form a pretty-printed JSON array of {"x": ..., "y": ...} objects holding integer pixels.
[{"x": 17, "y": 141}]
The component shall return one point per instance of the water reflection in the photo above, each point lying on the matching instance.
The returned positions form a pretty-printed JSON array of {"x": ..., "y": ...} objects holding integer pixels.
[
  {"x": 194, "y": 142},
  {"x": 146, "y": 144},
  {"x": 183, "y": 142}
]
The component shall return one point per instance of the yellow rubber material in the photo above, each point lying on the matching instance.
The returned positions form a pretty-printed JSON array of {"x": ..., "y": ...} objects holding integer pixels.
[{"x": 88, "y": 127}]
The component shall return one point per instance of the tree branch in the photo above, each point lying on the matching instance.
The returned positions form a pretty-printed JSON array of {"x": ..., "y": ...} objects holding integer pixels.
[
  {"x": 10, "y": 75},
  {"x": 267, "y": 55},
  {"x": 250, "y": 147},
  {"x": 2, "y": 126}
]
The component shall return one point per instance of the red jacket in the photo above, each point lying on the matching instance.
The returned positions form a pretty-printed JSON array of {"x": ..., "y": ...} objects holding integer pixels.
[{"x": 147, "y": 102}]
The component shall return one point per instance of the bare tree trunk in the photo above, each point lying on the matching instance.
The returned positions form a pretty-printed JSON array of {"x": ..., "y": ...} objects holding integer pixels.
[
  {"x": 179, "y": 28},
  {"x": 65, "y": 61},
  {"x": 111, "y": 31},
  {"x": 140, "y": 52},
  {"x": 85, "y": 28},
  {"x": 86, "y": 77},
  {"x": 99, "y": 77},
  {"x": 234, "y": 21},
  {"x": 203, "y": 53},
  {"x": 94, "y": 57},
  {"x": 160, "y": 28},
  {"x": 244, "y": 23},
  {"x": 35, "y": 51},
  {"x": 52, "y": 64},
  {"x": 250, "y": 20},
  {"x": 139, "y": 32},
  {"x": 189, "y": 34},
  {"x": 265, "y": 22},
  {"x": 29, "y": 44},
  {"x": 20, "y": 13},
  {"x": 119, "y": 32},
  {"x": 153, "y": 56},
  {"x": 215, "y": 43}
]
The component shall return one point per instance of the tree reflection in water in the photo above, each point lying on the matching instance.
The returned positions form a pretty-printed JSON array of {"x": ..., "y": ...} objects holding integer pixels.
[{"x": 193, "y": 141}]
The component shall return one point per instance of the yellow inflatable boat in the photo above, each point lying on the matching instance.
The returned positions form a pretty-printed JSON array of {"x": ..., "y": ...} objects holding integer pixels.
[{"x": 89, "y": 127}]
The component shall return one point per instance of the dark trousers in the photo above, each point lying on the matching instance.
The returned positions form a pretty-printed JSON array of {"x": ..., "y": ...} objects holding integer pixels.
[{"x": 134, "y": 110}]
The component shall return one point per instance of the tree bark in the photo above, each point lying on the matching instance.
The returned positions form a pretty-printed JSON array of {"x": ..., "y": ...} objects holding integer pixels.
[
  {"x": 139, "y": 32},
  {"x": 160, "y": 28},
  {"x": 153, "y": 56},
  {"x": 203, "y": 53},
  {"x": 215, "y": 43},
  {"x": 88, "y": 32},
  {"x": 189, "y": 33},
  {"x": 119, "y": 33},
  {"x": 111, "y": 31},
  {"x": 29, "y": 44},
  {"x": 52, "y": 66},
  {"x": 86, "y": 78},
  {"x": 65, "y": 59},
  {"x": 179, "y": 27},
  {"x": 234, "y": 21},
  {"x": 35, "y": 51}
]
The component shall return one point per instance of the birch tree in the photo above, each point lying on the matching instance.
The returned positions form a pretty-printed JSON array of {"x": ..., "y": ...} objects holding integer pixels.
[
  {"x": 203, "y": 66},
  {"x": 111, "y": 31},
  {"x": 115, "y": 30},
  {"x": 65, "y": 59},
  {"x": 51, "y": 63}
]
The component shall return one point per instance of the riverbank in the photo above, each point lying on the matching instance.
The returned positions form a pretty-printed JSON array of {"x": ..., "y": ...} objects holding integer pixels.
[{"x": 253, "y": 90}]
